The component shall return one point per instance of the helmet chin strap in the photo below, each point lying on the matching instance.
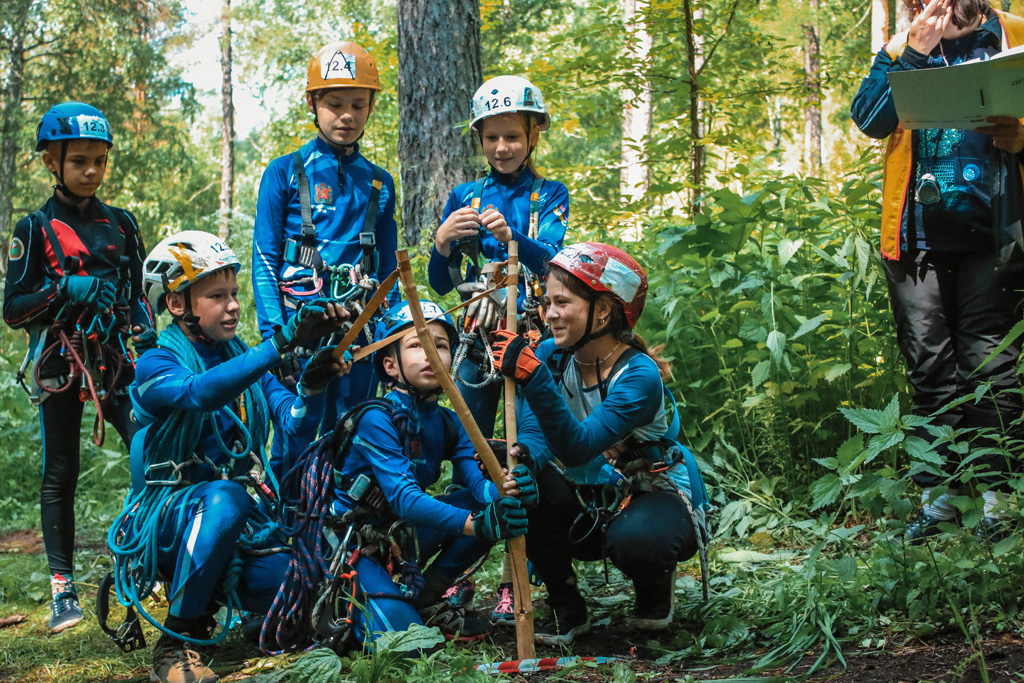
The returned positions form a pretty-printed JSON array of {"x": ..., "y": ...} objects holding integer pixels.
[
  {"x": 404, "y": 385},
  {"x": 191, "y": 321},
  {"x": 59, "y": 174},
  {"x": 513, "y": 177},
  {"x": 588, "y": 334},
  {"x": 345, "y": 148}
]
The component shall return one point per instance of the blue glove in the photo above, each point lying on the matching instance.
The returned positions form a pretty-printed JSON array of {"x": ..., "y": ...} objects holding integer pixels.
[
  {"x": 412, "y": 581},
  {"x": 503, "y": 518},
  {"x": 529, "y": 496},
  {"x": 86, "y": 290},
  {"x": 143, "y": 339},
  {"x": 298, "y": 331}
]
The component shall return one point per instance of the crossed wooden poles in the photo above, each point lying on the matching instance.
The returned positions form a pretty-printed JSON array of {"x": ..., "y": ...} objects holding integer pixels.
[{"x": 520, "y": 578}]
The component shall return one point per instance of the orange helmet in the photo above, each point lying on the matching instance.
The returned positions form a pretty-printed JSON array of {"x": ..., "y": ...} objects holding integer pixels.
[{"x": 342, "y": 65}]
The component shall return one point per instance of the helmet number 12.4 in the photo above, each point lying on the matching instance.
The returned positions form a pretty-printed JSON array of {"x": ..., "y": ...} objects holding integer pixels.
[{"x": 340, "y": 65}]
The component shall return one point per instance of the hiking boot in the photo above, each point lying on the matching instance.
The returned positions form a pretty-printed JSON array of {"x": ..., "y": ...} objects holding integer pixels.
[
  {"x": 454, "y": 623},
  {"x": 562, "y": 626},
  {"x": 653, "y": 609},
  {"x": 992, "y": 530},
  {"x": 461, "y": 593},
  {"x": 175, "y": 662},
  {"x": 504, "y": 613},
  {"x": 922, "y": 526},
  {"x": 65, "y": 612}
]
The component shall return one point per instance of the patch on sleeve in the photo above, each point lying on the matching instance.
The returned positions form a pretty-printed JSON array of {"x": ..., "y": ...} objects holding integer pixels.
[{"x": 17, "y": 250}]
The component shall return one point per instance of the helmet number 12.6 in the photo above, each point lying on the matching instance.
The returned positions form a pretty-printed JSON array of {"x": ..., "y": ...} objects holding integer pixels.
[{"x": 493, "y": 103}]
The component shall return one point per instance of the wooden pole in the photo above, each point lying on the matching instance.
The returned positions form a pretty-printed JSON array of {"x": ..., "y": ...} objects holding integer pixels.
[
  {"x": 520, "y": 572},
  {"x": 524, "y": 626}
]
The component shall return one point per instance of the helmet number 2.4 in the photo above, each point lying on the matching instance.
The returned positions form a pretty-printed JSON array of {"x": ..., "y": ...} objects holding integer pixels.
[{"x": 493, "y": 103}]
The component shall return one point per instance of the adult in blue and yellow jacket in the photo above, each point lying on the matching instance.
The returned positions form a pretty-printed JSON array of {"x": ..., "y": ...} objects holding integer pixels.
[
  {"x": 512, "y": 202},
  {"x": 322, "y": 207},
  {"x": 951, "y": 244},
  {"x": 78, "y": 259},
  {"x": 204, "y": 402}
]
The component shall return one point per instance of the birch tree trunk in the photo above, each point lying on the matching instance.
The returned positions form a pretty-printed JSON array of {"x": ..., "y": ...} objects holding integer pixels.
[
  {"x": 879, "y": 24},
  {"x": 812, "y": 100},
  {"x": 636, "y": 111},
  {"x": 695, "y": 62},
  {"x": 227, "y": 131},
  {"x": 438, "y": 72},
  {"x": 10, "y": 121}
]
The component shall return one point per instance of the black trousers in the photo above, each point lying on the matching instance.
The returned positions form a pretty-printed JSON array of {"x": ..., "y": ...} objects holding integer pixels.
[
  {"x": 60, "y": 416},
  {"x": 645, "y": 540},
  {"x": 952, "y": 310}
]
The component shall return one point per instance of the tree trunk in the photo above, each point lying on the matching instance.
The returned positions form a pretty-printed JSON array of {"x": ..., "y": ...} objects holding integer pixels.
[
  {"x": 694, "y": 60},
  {"x": 10, "y": 123},
  {"x": 438, "y": 72},
  {"x": 636, "y": 113},
  {"x": 227, "y": 130},
  {"x": 879, "y": 24},
  {"x": 812, "y": 100}
]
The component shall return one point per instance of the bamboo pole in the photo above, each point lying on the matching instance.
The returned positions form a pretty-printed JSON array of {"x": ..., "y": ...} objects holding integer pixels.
[
  {"x": 520, "y": 573},
  {"x": 524, "y": 627}
]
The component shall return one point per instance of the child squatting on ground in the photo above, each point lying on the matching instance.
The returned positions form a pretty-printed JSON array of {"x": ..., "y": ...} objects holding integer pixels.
[
  {"x": 204, "y": 402},
  {"x": 381, "y": 523}
]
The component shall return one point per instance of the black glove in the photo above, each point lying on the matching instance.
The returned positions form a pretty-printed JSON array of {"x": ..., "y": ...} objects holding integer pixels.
[
  {"x": 309, "y": 324},
  {"x": 502, "y": 519},
  {"x": 319, "y": 372}
]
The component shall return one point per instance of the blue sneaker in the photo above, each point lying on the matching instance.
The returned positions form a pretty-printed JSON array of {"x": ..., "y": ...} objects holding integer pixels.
[
  {"x": 922, "y": 526},
  {"x": 504, "y": 613},
  {"x": 461, "y": 593},
  {"x": 992, "y": 530},
  {"x": 65, "y": 612}
]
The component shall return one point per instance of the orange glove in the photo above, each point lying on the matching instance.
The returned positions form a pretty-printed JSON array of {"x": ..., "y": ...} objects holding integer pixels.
[{"x": 513, "y": 356}]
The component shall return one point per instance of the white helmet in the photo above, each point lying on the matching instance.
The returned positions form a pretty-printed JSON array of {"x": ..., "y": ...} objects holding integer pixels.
[
  {"x": 507, "y": 95},
  {"x": 180, "y": 261}
]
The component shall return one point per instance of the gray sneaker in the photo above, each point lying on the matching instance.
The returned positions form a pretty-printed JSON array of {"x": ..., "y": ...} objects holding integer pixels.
[{"x": 65, "y": 612}]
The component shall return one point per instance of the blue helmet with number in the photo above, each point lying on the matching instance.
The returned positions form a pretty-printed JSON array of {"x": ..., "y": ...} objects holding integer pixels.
[
  {"x": 399, "y": 318},
  {"x": 73, "y": 121},
  {"x": 508, "y": 95}
]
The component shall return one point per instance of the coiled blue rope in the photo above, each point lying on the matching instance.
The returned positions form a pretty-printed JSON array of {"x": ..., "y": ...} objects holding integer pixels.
[{"x": 134, "y": 536}]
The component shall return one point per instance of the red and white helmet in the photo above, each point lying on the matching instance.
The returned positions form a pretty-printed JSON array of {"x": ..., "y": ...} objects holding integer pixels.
[{"x": 604, "y": 268}]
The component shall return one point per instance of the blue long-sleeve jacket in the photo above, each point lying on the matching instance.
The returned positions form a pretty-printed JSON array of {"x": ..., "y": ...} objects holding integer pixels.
[
  {"x": 513, "y": 202},
  {"x": 338, "y": 207},
  {"x": 377, "y": 451},
  {"x": 163, "y": 385},
  {"x": 551, "y": 430}
]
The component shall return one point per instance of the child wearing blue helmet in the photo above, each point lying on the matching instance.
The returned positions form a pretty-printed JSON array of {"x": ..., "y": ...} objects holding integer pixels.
[
  {"x": 204, "y": 402},
  {"x": 74, "y": 264},
  {"x": 380, "y": 506}
]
